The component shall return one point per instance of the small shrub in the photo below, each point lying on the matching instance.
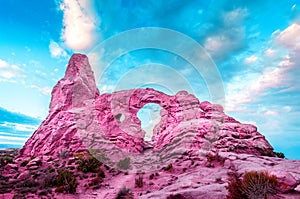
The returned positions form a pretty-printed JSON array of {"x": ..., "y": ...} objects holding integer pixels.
[
  {"x": 24, "y": 163},
  {"x": 253, "y": 185},
  {"x": 259, "y": 184},
  {"x": 48, "y": 180},
  {"x": 89, "y": 164},
  {"x": 234, "y": 187},
  {"x": 176, "y": 196},
  {"x": 151, "y": 176},
  {"x": 279, "y": 154},
  {"x": 139, "y": 181},
  {"x": 168, "y": 168},
  {"x": 268, "y": 153},
  {"x": 124, "y": 164},
  {"x": 96, "y": 181},
  {"x": 39, "y": 163},
  {"x": 125, "y": 193},
  {"x": 101, "y": 173},
  {"x": 31, "y": 158},
  {"x": 6, "y": 160},
  {"x": 66, "y": 182},
  {"x": 214, "y": 157}
]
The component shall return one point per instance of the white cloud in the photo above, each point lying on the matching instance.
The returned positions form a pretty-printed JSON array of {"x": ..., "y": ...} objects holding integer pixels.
[
  {"x": 270, "y": 52},
  {"x": 247, "y": 88},
  {"x": 43, "y": 90},
  {"x": 9, "y": 71},
  {"x": 287, "y": 108},
  {"x": 290, "y": 37},
  {"x": 80, "y": 24},
  {"x": 56, "y": 51},
  {"x": 19, "y": 127},
  {"x": 229, "y": 37},
  {"x": 252, "y": 59},
  {"x": 106, "y": 88},
  {"x": 271, "y": 113},
  {"x": 235, "y": 16},
  {"x": 3, "y": 64}
]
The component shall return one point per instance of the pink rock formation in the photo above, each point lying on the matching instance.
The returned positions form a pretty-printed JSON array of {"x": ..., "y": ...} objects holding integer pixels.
[{"x": 189, "y": 130}]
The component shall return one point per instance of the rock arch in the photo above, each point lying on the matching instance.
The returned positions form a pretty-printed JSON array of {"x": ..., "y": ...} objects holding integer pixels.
[{"x": 175, "y": 109}]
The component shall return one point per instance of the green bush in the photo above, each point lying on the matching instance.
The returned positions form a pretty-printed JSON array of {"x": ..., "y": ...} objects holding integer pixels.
[
  {"x": 139, "y": 181},
  {"x": 24, "y": 163},
  {"x": 89, "y": 164},
  {"x": 125, "y": 193},
  {"x": 176, "y": 196},
  {"x": 168, "y": 168},
  {"x": 124, "y": 164},
  {"x": 101, "y": 173},
  {"x": 279, "y": 154},
  {"x": 253, "y": 185},
  {"x": 5, "y": 160},
  {"x": 66, "y": 182}
]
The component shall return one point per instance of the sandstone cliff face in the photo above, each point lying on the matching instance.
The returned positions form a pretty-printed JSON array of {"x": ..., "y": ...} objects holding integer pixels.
[
  {"x": 189, "y": 132},
  {"x": 76, "y": 104}
]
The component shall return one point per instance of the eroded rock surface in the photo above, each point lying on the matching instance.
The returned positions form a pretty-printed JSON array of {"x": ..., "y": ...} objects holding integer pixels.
[{"x": 200, "y": 142}]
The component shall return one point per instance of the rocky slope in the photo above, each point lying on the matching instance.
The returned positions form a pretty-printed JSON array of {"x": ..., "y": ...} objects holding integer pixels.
[{"x": 96, "y": 144}]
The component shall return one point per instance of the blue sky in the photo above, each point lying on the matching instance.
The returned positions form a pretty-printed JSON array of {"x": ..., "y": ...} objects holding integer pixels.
[{"x": 254, "y": 44}]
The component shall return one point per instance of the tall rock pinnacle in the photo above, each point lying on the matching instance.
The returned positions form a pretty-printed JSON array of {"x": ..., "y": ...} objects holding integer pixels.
[{"x": 77, "y": 85}]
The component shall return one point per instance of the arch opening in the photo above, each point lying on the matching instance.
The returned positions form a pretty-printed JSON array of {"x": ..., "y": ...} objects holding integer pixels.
[{"x": 149, "y": 115}]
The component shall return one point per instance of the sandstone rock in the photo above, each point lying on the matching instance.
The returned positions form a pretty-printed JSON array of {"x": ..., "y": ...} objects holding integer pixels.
[{"x": 190, "y": 137}]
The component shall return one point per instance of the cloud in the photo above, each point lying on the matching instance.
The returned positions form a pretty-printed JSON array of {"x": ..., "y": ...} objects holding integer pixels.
[
  {"x": 80, "y": 24},
  {"x": 270, "y": 52},
  {"x": 229, "y": 36},
  {"x": 271, "y": 113},
  {"x": 249, "y": 87},
  {"x": 44, "y": 90},
  {"x": 19, "y": 127},
  {"x": 56, "y": 51},
  {"x": 252, "y": 59},
  {"x": 290, "y": 37},
  {"x": 3, "y": 64},
  {"x": 9, "y": 71}
]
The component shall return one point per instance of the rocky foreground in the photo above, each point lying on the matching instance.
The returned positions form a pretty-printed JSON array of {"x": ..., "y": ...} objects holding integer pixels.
[{"x": 91, "y": 145}]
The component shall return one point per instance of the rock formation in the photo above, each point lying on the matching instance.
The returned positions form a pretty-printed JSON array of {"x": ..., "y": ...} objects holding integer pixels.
[{"x": 200, "y": 142}]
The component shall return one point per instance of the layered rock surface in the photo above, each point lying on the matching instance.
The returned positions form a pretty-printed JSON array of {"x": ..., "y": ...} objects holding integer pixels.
[{"x": 189, "y": 132}]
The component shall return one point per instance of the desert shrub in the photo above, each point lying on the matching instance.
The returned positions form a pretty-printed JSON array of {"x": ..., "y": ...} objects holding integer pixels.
[
  {"x": 139, "y": 181},
  {"x": 151, "y": 176},
  {"x": 18, "y": 196},
  {"x": 234, "y": 187},
  {"x": 124, "y": 164},
  {"x": 176, "y": 196},
  {"x": 214, "y": 157},
  {"x": 268, "y": 153},
  {"x": 96, "y": 181},
  {"x": 168, "y": 168},
  {"x": 101, "y": 173},
  {"x": 125, "y": 193},
  {"x": 279, "y": 154},
  {"x": 5, "y": 160},
  {"x": 48, "y": 180},
  {"x": 89, "y": 164},
  {"x": 254, "y": 185},
  {"x": 31, "y": 158},
  {"x": 66, "y": 182},
  {"x": 39, "y": 163},
  {"x": 24, "y": 163}
]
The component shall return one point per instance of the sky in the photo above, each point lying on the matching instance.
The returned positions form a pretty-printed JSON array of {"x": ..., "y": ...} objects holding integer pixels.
[{"x": 253, "y": 45}]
